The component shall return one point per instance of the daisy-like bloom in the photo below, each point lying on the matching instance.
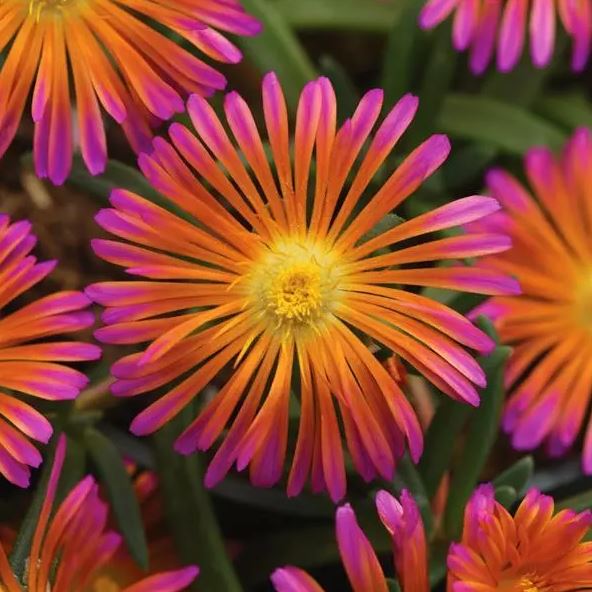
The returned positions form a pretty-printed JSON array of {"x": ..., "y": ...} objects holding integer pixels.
[
  {"x": 28, "y": 366},
  {"x": 533, "y": 551},
  {"x": 403, "y": 521},
  {"x": 270, "y": 285},
  {"x": 117, "y": 59},
  {"x": 549, "y": 375},
  {"x": 64, "y": 557},
  {"x": 482, "y": 25}
]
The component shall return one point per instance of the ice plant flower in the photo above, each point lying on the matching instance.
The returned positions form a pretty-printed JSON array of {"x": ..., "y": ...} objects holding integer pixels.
[
  {"x": 536, "y": 550},
  {"x": 64, "y": 557},
  {"x": 363, "y": 569},
  {"x": 116, "y": 59},
  {"x": 28, "y": 366},
  {"x": 276, "y": 283},
  {"x": 482, "y": 25},
  {"x": 549, "y": 375}
]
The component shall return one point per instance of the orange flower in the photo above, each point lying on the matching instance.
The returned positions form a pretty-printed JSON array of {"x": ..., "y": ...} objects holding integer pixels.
[
  {"x": 274, "y": 281},
  {"x": 549, "y": 375},
  {"x": 29, "y": 366},
  {"x": 116, "y": 58},
  {"x": 533, "y": 551},
  {"x": 64, "y": 557}
]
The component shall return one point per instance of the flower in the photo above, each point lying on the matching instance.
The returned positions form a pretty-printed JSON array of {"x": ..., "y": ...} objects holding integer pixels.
[
  {"x": 359, "y": 559},
  {"x": 26, "y": 365},
  {"x": 480, "y": 25},
  {"x": 116, "y": 59},
  {"x": 64, "y": 557},
  {"x": 534, "y": 550},
  {"x": 549, "y": 376},
  {"x": 278, "y": 287}
]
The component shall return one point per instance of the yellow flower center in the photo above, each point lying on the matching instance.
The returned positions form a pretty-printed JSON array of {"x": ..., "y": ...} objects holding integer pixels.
[
  {"x": 295, "y": 292},
  {"x": 294, "y": 286},
  {"x": 526, "y": 583}
]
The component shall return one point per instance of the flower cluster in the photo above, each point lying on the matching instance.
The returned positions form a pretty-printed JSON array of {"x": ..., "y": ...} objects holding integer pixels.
[
  {"x": 64, "y": 557},
  {"x": 536, "y": 549},
  {"x": 272, "y": 289}
]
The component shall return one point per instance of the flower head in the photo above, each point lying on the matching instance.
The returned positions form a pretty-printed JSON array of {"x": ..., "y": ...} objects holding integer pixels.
[
  {"x": 28, "y": 366},
  {"x": 480, "y": 25},
  {"x": 116, "y": 59},
  {"x": 550, "y": 326},
  {"x": 363, "y": 569},
  {"x": 275, "y": 283},
  {"x": 64, "y": 557},
  {"x": 533, "y": 551}
]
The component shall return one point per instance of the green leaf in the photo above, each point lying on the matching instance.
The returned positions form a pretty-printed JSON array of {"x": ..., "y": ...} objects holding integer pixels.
[
  {"x": 358, "y": 15},
  {"x": 570, "y": 111},
  {"x": 74, "y": 468},
  {"x": 190, "y": 512},
  {"x": 506, "y": 495},
  {"x": 392, "y": 585},
  {"x": 345, "y": 90},
  {"x": 507, "y": 127},
  {"x": 411, "y": 479},
  {"x": 482, "y": 432},
  {"x": 577, "y": 503},
  {"x": 466, "y": 164},
  {"x": 517, "y": 475},
  {"x": 120, "y": 491},
  {"x": 277, "y": 49},
  {"x": 436, "y": 79},
  {"x": 440, "y": 441},
  {"x": 402, "y": 56},
  {"x": 22, "y": 544}
]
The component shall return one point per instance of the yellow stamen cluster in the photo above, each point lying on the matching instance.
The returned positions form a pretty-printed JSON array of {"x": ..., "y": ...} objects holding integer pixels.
[
  {"x": 295, "y": 292},
  {"x": 526, "y": 583},
  {"x": 294, "y": 286}
]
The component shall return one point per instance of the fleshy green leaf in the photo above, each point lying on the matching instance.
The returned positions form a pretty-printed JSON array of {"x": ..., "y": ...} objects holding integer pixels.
[
  {"x": 517, "y": 476},
  {"x": 499, "y": 124},
  {"x": 408, "y": 476},
  {"x": 402, "y": 56},
  {"x": 358, "y": 15},
  {"x": 189, "y": 511},
  {"x": 120, "y": 491},
  {"x": 569, "y": 111},
  {"x": 577, "y": 503},
  {"x": 277, "y": 49},
  {"x": 506, "y": 495},
  {"x": 482, "y": 433},
  {"x": 440, "y": 441}
]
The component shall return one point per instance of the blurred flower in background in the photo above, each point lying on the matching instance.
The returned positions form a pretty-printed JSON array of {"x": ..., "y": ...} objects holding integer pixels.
[
  {"x": 280, "y": 286},
  {"x": 533, "y": 550},
  {"x": 482, "y": 25},
  {"x": 26, "y": 365},
  {"x": 71, "y": 546},
  {"x": 363, "y": 569},
  {"x": 549, "y": 375},
  {"x": 116, "y": 60}
]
